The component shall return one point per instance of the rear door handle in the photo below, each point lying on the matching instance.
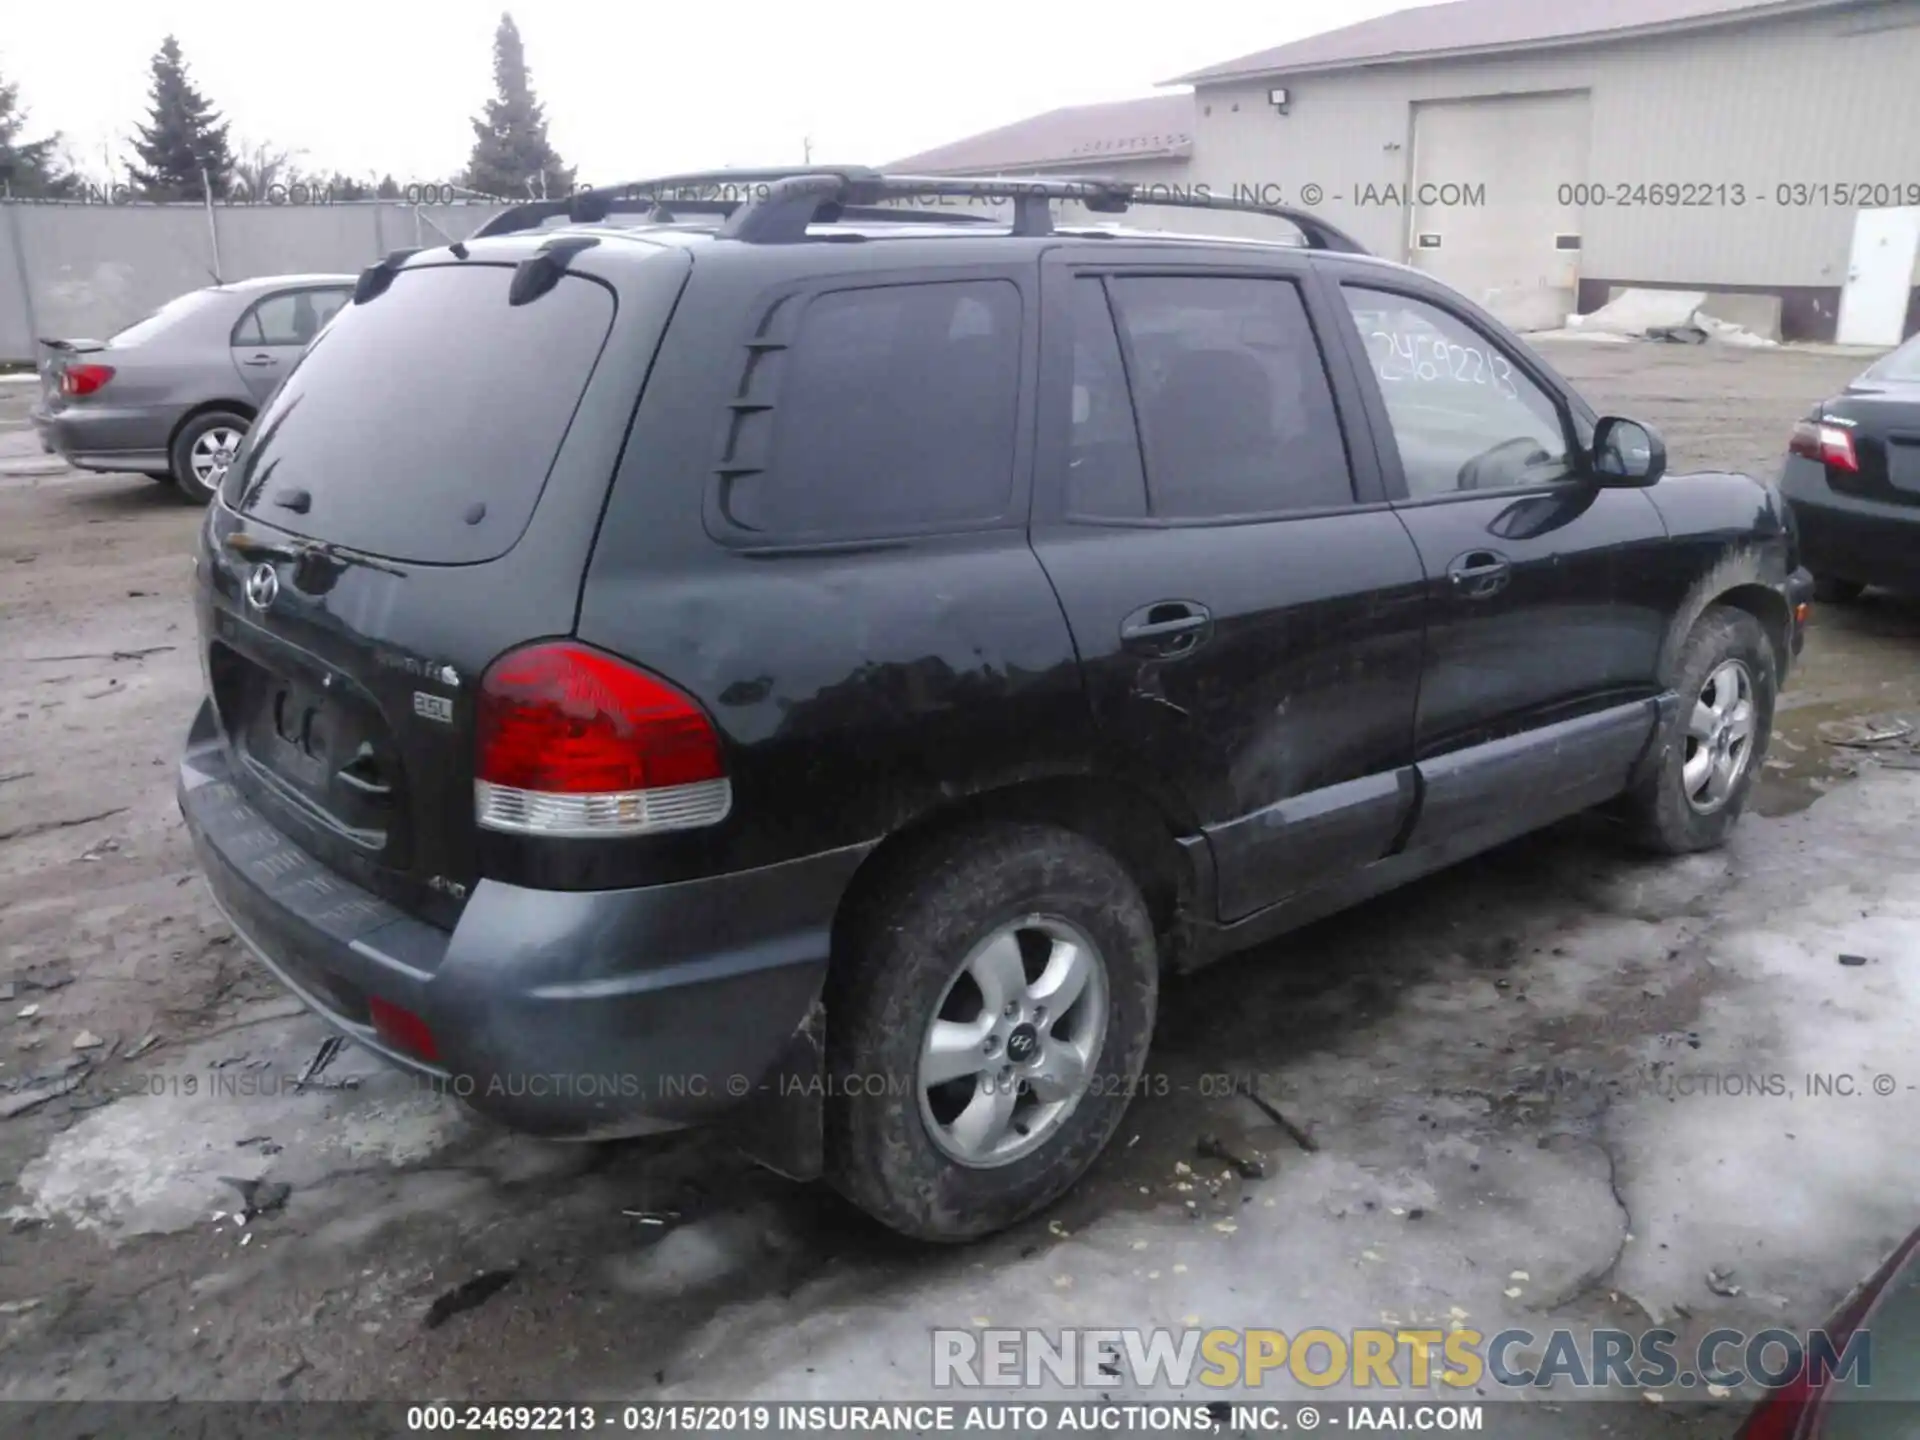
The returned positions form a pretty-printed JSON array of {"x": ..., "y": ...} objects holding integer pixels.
[
  {"x": 1480, "y": 574},
  {"x": 258, "y": 360},
  {"x": 1166, "y": 628}
]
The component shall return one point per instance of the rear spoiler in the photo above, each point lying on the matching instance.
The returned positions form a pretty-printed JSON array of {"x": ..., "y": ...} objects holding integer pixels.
[{"x": 73, "y": 347}]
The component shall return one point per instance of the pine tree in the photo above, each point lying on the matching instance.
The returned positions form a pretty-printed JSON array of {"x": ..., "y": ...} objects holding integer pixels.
[
  {"x": 388, "y": 188},
  {"x": 512, "y": 158},
  {"x": 29, "y": 169},
  {"x": 183, "y": 137}
]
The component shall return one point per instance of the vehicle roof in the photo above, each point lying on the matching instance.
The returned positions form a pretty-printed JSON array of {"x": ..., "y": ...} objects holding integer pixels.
[{"x": 253, "y": 284}]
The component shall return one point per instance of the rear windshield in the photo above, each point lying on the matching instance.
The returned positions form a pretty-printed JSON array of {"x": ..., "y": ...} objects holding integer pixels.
[
  {"x": 422, "y": 424},
  {"x": 1902, "y": 364},
  {"x": 165, "y": 318}
]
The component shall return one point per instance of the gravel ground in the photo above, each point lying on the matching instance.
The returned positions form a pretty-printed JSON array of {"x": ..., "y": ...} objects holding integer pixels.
[{"x": 1408, "y": 1040}]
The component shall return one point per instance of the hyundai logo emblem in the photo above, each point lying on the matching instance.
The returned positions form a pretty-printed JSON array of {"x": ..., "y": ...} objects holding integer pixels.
[{"x": 263, "y": 586}]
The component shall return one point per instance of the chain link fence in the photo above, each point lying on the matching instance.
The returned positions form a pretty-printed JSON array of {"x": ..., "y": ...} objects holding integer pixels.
[{"x": 73, "y": 270}]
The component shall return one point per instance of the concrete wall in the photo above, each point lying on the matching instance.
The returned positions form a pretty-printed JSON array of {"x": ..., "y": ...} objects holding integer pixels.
[
  {"x": 88, "y": 270},
  {"x": 1822, "y": 98}
]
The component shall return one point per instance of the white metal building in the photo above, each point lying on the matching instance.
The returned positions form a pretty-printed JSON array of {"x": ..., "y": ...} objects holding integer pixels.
[{"x": 1540, "y": 155}]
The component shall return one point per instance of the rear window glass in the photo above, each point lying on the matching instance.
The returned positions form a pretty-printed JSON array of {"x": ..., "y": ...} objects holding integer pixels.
[
  {"x": 1902, "y": 364},
  {"x": 422, "y": 424},
  {"x": 165, "y": 318}
]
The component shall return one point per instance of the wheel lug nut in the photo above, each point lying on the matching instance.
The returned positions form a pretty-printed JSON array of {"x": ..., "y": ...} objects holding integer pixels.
[
  {"x": 993, "y": 1044},
  {"x": 1039, "y": 1014},
  {"x": 1013, "y": 1009}
]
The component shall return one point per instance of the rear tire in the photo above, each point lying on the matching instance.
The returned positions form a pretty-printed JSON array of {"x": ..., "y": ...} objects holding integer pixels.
[
  {"x": 203, "y": 450},
  {"x": 1709, "y": 752},
  {"x": 1020, "y": 960},
  {"x": 1832, "y": 591}
]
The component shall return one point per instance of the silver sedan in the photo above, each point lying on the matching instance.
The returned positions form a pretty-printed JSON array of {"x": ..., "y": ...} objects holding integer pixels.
[{"x": 172, "y": 396}]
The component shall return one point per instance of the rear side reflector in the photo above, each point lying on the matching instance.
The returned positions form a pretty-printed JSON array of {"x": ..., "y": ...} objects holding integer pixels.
[
  {"x": 84, "y": 379},
  {"x": 402, "y": 1029},
  {"x": 572, "y": 741},
  {"x": 1829, "y": 444}
]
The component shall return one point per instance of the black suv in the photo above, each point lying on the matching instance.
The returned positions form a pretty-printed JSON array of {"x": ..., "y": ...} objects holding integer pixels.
[{"x": 814, "y": 659}]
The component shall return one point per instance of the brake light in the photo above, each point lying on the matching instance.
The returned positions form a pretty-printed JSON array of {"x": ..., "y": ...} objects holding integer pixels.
[
  {"x": 572, "y": 741},
  {"x": 1829, "y": 444},
  {"x": 402, "y": 1029},
  {"x": 84, "y": 379}
]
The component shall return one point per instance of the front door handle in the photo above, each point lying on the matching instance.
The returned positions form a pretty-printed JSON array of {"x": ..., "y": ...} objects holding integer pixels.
[
  {"x": 1166, "y": 628},
  {"x": 1480, "y": 574}
]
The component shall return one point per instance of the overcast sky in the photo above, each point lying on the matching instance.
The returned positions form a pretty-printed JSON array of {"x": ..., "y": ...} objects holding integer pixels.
[{"x": 630, "y": 90}]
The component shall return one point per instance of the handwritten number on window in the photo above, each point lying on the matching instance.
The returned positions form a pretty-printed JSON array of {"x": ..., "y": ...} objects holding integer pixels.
[{"x": 1427, "y": 357}]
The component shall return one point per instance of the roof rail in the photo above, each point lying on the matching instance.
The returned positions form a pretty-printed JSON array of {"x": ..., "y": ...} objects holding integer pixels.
[
  {"x": 777, "y": 206},
  {"x": 668, "y": 209}
]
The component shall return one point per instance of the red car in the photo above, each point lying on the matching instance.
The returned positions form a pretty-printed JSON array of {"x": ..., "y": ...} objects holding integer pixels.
[{"x": 1879, "y": 1401}]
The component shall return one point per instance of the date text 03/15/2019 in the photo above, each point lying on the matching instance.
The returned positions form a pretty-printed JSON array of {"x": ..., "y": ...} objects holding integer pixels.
[{"x": 1731, "y": 194}]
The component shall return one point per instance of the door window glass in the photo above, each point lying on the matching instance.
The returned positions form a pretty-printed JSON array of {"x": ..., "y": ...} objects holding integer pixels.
[
  {"x": 1232, "y": 396},
  {"x": 292, "y": 317},
  {"x": 1104, "y": 474},
  {"x": 1464, "y": 416}
]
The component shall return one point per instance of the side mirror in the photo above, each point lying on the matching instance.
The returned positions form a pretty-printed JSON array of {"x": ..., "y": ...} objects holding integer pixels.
[{"x": 1626, "y": 453}]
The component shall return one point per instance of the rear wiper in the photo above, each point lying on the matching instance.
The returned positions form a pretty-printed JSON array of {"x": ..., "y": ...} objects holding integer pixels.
[{"x": 251, "y": 547}]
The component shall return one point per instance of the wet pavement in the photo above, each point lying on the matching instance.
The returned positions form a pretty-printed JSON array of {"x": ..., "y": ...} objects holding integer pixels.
[{"x": 1519, "y": 1068}]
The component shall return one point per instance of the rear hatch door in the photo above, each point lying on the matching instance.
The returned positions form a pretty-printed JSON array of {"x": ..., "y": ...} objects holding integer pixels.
[{"x": 420, "y": 495}]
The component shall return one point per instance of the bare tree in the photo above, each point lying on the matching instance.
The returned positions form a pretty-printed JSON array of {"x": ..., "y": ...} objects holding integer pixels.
[{"x": 258, "y": 168}]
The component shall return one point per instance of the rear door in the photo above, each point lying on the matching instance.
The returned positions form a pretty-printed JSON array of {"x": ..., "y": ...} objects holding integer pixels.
[
  {"x": 1245, "y": 605},
  {"x": 269, "y": 337},
  {"x": 418, "y": 497}
]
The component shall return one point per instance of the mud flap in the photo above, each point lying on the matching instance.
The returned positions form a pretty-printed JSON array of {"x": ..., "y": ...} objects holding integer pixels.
[
  {"x": 783, "y": 1125},
  {"x": 1651, "y": 758}
]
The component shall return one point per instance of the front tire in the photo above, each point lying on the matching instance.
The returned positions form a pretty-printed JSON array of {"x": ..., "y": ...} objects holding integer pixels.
[
  {"x": 202, "y": 452},
  {"x": 987, "y": 1022},
  {"x": 1710, "y": 750}
]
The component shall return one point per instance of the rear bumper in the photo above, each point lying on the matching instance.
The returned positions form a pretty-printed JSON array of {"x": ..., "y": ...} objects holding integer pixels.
[
  {"x": 105, "y": 439},
  {"x": 579, "y": 1014},
  {"x": 1870, "y": 542}
]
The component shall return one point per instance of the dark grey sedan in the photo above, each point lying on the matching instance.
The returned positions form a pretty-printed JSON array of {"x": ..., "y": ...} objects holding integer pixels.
[{"x": 173, "y": 395}]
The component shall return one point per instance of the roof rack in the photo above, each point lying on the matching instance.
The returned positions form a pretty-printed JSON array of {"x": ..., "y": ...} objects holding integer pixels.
[
  {"x": 777, "y": 206},
  {"x": 668, "y": 209}
]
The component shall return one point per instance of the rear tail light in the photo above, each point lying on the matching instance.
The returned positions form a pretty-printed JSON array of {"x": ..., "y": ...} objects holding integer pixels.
[
  {"x": 84, "y": 379},
  {"x": 1829, "y": 444},
  {"x": 571, "y": 741},
  {"x": 402, "y": 1029}
]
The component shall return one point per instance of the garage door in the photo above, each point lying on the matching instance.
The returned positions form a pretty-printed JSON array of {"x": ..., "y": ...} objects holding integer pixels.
[{"x": 1512, "y": 245}]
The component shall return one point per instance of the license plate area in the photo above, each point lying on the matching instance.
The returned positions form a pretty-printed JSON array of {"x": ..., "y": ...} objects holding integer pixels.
[
  {"x": 319, "y": 749},
  {"x": 1903, "y": 463}
]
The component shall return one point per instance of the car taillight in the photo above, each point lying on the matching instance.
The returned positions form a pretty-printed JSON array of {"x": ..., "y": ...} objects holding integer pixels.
[
  {"x": 84, "y": 379},
  {"x": 572, "y": 741},
  {"x": 1829, "y": 444}
]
